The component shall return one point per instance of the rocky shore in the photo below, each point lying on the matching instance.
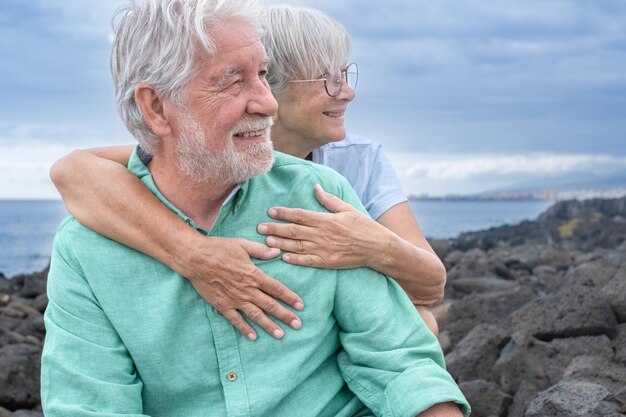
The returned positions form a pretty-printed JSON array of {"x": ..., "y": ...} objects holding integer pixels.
[{"x": 534, "y": 322}]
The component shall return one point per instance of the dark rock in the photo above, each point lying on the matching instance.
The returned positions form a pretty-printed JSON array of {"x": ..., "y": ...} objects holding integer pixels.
[
  {"x": 19, "y": 376},
  {"x": 615, "y": 293},
  {"x": 619, "y": 344},
  {"x": 481, "y": 285},
  {"x": 453, "y": 258},
  {"x": 12, "y": 313},
  {"x": 34, "y": 285},
  {"x": 37, "y": 325},
  {"x": 486, "y": 398},
  {"x": 576, "y": 398},
  {"x": 24, "y": 308},
  {"x": 27, "y": 413},
  {"x": 573, "y": 311},
  {"x": 598, "y": 370},
  {"x": 442, "y": 247},
  {"x": 476, "y": 353},
  {"x": 492, "y": 308},
  {"x": 618, "y": 256},
  {"x": 524, "y": 394},
  {"x": 556, "y": 257},
  {"x": 504, "y": 272},
  {"x": 474, "y": 263},
  {"x": 620, "y": 397},
  {"x": 41, "y": 302},
  {"x": 592, "y": 274},
  {"x": 543, "y": 363}
]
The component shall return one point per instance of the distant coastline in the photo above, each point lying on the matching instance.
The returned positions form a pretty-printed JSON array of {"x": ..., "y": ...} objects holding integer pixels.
[{"x": 548, "y": 194}]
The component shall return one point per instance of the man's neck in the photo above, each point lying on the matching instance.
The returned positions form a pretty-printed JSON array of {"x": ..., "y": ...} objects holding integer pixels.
[{"x": 199, "y": 201}]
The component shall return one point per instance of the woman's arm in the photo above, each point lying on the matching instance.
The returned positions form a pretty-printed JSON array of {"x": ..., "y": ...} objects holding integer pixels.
[
  {"x": 346, "y": 238},
  {"x": 102, "y": 194}
]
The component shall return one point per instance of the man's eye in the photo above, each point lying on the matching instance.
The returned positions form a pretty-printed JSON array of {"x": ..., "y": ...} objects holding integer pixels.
[{"x": 263, "y": 74}]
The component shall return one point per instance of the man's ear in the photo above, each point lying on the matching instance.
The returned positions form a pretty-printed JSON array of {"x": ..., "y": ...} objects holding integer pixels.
[{"x": 151, "y": 105}]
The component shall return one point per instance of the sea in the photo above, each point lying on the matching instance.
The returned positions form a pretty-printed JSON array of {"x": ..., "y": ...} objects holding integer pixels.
[{"x": 27, "y": 227}]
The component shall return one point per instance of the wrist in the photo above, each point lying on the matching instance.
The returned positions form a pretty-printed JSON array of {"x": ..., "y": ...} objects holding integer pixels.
[
  {"x": 382, "y": 255},
  {"x": 183, "y": 250}
]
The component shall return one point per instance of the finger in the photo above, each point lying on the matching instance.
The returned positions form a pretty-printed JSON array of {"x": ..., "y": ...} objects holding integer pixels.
[
  {"x": 258, "y": 250},
  {"x": 305, "y": 259},
  {"x": 330, "y": 201},
  {"x": 290, "y": 245},
  {"x": 295, "y": 215},
  {"x": 234, "y": 317},
  {"x": 286, "y": 230},
  {"x": 280, "y": 291},
  {"x": 277, "y": 310},
  {"x": 257, "y": 315}
]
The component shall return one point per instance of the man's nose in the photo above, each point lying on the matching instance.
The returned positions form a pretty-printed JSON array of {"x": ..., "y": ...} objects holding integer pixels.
[{"x": 261, "y": 100}]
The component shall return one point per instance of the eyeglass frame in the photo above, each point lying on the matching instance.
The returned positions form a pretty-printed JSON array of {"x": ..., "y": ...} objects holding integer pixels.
[{"x": 344, "y": 77}]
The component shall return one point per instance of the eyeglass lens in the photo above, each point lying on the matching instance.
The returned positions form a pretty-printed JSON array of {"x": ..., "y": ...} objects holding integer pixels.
[{"x": 334, "y": 81}]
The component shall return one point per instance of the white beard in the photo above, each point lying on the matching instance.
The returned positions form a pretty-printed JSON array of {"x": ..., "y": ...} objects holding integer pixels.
[{"x": 229, "y": 165}]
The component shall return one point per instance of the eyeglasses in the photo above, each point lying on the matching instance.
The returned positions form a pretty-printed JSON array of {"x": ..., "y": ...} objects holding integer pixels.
[{"x": 333, "y": 80}]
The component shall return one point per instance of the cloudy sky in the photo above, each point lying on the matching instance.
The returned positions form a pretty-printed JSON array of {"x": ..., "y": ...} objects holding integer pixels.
[{"x": 466, "y": 96}]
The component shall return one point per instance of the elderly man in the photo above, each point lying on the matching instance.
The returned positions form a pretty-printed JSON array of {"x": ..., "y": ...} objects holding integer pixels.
[{"x": 128, "y": 336}]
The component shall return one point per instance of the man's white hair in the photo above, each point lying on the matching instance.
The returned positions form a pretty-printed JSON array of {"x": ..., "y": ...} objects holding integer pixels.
[
  {"x": 302, "y": 42},
  {"x": 157, "y": 42}
]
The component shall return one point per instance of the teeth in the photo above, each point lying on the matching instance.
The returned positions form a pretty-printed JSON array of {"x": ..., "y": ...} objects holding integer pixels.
[
  {"x": 250, "y": 134},
  {"x": 333, "y": 114}
]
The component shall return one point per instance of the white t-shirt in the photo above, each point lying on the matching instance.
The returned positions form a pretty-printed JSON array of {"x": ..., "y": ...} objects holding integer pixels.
[{"x": 364, "y": 164}]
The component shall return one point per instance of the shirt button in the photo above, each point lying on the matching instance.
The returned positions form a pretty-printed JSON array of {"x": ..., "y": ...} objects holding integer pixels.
[{"x": 231, "y": 376}]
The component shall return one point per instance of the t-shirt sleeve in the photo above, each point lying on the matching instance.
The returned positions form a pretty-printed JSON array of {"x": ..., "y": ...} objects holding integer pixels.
[
  {"x": 86, "y": 369},
  {"x": 383, "y": 189}
]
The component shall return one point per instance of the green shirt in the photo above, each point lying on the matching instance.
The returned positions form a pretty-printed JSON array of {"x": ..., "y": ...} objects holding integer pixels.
[{"x": 128, "y": 336}]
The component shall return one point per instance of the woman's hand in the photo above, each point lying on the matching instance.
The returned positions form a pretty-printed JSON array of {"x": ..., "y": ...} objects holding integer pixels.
[
  {"x": 345, "y": 238},
  {"x": 221, "y": 271}
]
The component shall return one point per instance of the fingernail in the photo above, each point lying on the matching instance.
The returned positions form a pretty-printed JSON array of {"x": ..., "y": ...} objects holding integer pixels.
[
  {"x": 296, "y": 324},
  {"x": 278, "y": 333},
  {"x": 251, "y": 336},
  {"x": 270, "y": 241},
  {"x": 286, "y": 257},
  {"x": 299, "y": 305},
  {"x": 262, "y": 228},
  {"x": 273, "y": 212}
]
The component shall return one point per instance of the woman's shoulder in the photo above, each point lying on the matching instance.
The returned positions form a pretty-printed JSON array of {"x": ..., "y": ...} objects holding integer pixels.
[{"x": 354, "y": 142}]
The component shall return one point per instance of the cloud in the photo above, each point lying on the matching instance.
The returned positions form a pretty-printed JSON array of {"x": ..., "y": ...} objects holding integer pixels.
[
  {"x": 24, "y": 170},
  {"x": 511, "y": 165}
]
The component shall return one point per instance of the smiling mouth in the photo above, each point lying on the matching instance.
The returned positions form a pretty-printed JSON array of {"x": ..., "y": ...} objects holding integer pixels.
[
  {"x": 333, "y": 114},
  {"x": 250, "y": 134}
]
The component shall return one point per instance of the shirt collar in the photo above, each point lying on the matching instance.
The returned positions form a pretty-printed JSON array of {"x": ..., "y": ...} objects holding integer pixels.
[{"x": 138, "y": 165}]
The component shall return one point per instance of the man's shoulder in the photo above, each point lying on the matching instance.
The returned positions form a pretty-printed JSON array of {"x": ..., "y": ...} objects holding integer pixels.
[
  {"x": 297, "y": 168},
  {"x": 74, "y": 240}
]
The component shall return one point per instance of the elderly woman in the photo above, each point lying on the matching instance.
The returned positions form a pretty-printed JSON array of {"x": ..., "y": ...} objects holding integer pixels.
[{"x": 313, "y": 84}]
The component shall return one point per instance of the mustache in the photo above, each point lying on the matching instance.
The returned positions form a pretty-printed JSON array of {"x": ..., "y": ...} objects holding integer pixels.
[{"x": 252, "y": 124}]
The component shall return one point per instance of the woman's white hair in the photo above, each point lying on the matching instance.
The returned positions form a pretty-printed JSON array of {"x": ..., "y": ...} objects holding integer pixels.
[
  {"x": 303, "y": 43},
  {"x": 156, "y": 42}
]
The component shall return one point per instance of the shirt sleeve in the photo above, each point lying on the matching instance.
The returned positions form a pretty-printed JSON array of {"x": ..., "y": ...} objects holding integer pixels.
[
  {"x": 383, "y": 189},
  {"x": 86, "y": 369},
  {"x": 389, "y": 357}
]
